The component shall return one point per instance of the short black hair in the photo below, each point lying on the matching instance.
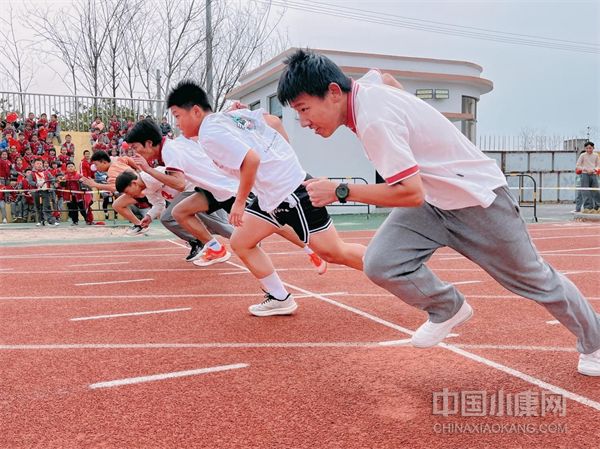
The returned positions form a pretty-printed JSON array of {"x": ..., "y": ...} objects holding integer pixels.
[
  {"x": 70, "y": 163},
  {"x": 309, "y": 73},
  {"x": 144, "y": 130},
  {"x": 188, "y": 94},
  {"x": 124, "y": 180},
  {"x": 100, "y": 156},
  {"x": 589, "y": 143}
]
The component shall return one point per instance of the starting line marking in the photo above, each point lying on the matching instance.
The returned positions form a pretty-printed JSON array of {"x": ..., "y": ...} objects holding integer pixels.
[
  {"x": 67, "y": 346},
  {"x": 482, "y": 360},
  {"x": 115, "y": 282},
  {"x": 553, "y": 322},
  {"x": 150, "y": 312},
  {"x": 155, "y": 377},
  {"x": 97, "y": 264},
  {"x": 517, "y": 347}
]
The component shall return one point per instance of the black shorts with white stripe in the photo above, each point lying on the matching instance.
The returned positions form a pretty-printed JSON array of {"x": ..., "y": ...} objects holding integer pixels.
[
  {"x": 214, "y": 204},
  {"x": 303, "y": 217}
]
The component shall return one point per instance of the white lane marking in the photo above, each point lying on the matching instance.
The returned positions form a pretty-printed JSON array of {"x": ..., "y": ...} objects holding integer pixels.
[
  {"x": 86, "y": 253},
  {"x": 516, "y": 347},
  {"x": 150, "y": 312},
  {"x": 558, "y": 251},
  {"x": 476, "y": 358},
  {"x": 234, "y": 295},
  {"x": 553, "y": 322},
  {"x": 340, "y": 344},
  {"x": 163, "y": 376},
  {"x": 403, "y": 342},
  {"x": 487, "y": 362},
  {"x": 466, "y": 282},
  {"x": 97, "y": 264},
  {"x": 114, "y": 282}
]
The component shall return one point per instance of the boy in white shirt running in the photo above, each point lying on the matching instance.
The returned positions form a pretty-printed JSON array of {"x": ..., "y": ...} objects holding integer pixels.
[
  {"x": 253, "y": 148},
  {"x": 213, "y": 191},
  {"x": 444, "y": 191}
]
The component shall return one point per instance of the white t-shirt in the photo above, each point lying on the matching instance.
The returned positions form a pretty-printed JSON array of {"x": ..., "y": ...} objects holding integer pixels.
[
  {"x": 402, "y": 135},
  {"x": 187, "y": 156},
  {"x": 228, "y": 136},
  {"x": 158, "y": 193}
]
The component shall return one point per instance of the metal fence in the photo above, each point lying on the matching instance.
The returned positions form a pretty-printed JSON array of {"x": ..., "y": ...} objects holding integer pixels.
[
  {"x": 530, "y": 143},
  {"x": 77, "y": 112}
]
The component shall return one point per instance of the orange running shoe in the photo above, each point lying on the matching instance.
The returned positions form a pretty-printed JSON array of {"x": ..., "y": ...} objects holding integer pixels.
[
  {"x": 209, "y": 256},
  {"x": 319, "y": 263}
]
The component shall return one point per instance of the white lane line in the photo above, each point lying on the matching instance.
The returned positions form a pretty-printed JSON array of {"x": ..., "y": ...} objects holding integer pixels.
[
  {"x": 6, "y": 269},
  {"x": 97, "y": 264},
  {"x": 403, "y": 342},
  {"x": 155, "y": 377},
  {"x": 150, "y": 312},
  {"x": 114, "y": 282},
  {"x": 516, "y": 347},
  {"x": 466, "y": 282},
  {"x": 553, "y": 322},
  {"x": 487, "y": 362},
  {"x": 86, "y": 253},
  {"x": 234, "y": 295},
  {"x": 341, "y": 344},
  {"x": 476, "y": 358}
]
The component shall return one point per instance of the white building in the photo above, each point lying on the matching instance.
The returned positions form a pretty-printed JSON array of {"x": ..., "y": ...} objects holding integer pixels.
[{"x": 452, "y": 87}]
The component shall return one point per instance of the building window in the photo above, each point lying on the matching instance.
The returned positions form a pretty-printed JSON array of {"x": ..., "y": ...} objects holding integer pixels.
[
  {"x": 469, "y": 126},
  {"x": 275, "y": 107},
  {"x": 424, "y": 94},
  {"x": 254, "y": 106}
]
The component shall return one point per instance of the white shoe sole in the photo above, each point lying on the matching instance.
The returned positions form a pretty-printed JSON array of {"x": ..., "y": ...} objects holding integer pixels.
[
  {"x": 272, "y": 312},
  {"x": 142, "y": 232},
  {"x": 203, "y": 263},
  {"x": 432, "y": 343},
  {"x": 585, "y": 372}
]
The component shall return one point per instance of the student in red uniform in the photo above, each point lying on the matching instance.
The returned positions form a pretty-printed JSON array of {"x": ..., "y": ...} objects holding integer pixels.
[
  {"x": 5, "y": 167},
  {"x": 74, "y": 201},
  {"x": 444, "y": 192},
  {"x": 54, "y": 128},
  {"x": 30, "y": 121},
  {"x": 68, "y": 145},
  {"x": 43, "y": 121}
]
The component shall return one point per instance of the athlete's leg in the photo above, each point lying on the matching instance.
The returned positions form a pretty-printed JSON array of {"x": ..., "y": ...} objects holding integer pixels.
[
  {"x": 185, "y": 212},
  {"x": 121, "y": 206},
  {"x": 244, "y": 243},
  {"x": 328, "y": 245}
]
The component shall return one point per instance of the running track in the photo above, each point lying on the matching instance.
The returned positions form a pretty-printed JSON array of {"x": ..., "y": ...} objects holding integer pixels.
[{"x": 184, "y": 365}]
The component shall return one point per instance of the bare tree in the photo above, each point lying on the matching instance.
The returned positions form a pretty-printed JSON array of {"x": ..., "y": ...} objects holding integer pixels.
[
  {"x": 17, "y": 58},
  {"x": 98, "y": 19},
  {"x": 61, "y": 31}
]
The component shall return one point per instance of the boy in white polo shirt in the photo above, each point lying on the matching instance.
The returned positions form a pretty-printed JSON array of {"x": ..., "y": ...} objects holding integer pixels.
[
  {"x": 252, "y": 147},
  {"x": 445, "y": 192}
]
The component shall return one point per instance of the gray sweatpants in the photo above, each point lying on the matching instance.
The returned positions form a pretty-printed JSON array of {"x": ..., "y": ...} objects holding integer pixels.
[
  {"x": 216, "y": 223},
  {"x": 496, "y": 239}
]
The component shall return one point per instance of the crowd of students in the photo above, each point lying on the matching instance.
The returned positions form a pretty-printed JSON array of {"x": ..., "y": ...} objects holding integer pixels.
[{"x": 39, "y": 174}]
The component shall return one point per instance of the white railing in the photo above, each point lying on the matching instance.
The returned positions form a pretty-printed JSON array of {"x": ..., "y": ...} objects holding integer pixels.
[
  {"x": 77, "y": 112},
  {"x": 530, "y": 143}
]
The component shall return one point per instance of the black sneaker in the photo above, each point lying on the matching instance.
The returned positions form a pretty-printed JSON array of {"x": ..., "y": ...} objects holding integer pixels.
[
  {"x": 195, "y": 250},
  {"x": 136, "y": 230}
]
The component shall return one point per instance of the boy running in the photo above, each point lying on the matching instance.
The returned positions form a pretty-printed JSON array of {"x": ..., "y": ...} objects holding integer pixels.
[
  {"x": 187, "y": 164},
  {"x": 445, "y": 192},
  {"x": 252, "y": 147}
]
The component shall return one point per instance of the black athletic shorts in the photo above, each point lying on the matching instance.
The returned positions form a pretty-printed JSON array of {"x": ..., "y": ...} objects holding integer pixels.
[
  {"x": 303, "y": 217},
  {"x": 213, "y": 204}
]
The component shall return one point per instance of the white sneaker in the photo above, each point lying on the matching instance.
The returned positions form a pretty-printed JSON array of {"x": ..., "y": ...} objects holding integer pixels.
[
  {"x": 4, "y": 221},
  {"x": 272, "y": 306},
  {"x": 430, "y": 334},
  {"x": 589, "y": 364},
  {"x": 136, "y": 230}
]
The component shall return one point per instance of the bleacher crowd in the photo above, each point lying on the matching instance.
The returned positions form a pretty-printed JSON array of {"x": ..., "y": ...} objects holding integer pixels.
[{"x": 39, "y": 176}]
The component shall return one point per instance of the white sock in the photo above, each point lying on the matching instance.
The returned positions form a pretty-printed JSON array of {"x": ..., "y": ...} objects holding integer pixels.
[
  {"x": 307, "y": 250},
  {"x": 273, "y": 285},
  {"x": 214, "y": 244}
]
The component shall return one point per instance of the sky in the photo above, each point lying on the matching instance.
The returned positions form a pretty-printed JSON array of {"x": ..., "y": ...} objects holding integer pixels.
[{"x": 551, "y": 91}]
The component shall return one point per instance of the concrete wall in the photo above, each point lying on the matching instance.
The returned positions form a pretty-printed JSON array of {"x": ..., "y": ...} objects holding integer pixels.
[{"x": 553, "y": 171}]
